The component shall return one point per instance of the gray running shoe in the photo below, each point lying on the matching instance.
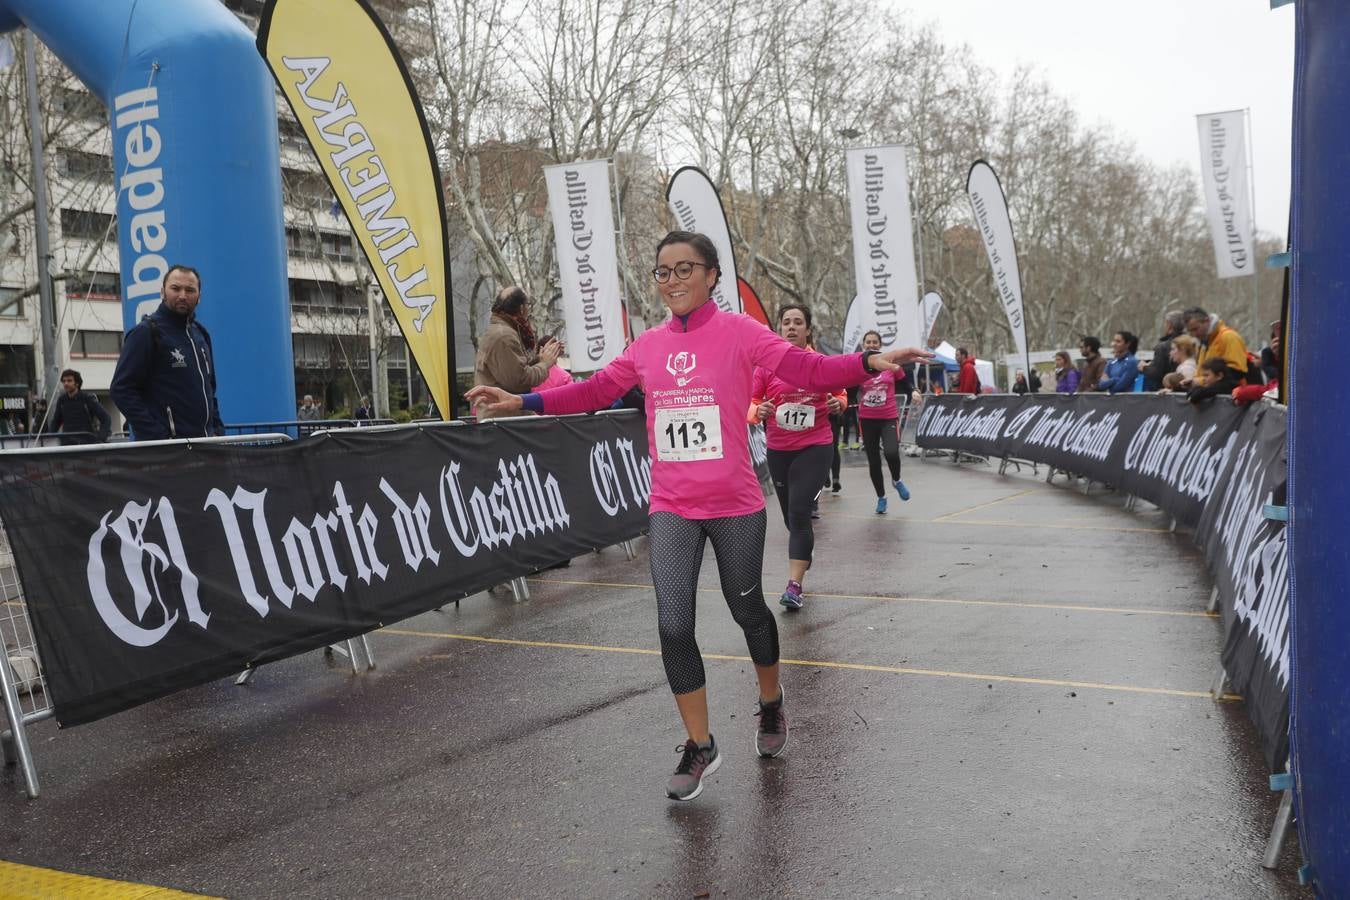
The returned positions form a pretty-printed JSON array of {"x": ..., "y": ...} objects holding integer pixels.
[
  {"x": 696, "y": 764},
  {"x": 772, "y": 737}
]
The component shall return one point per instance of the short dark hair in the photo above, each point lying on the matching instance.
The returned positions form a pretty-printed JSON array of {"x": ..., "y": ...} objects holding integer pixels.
[
  {"x": 1215, "y": 364},
  {"x": 79, "y": 381},
  {"x": 962, "y": 351},
  {"x": 870, "y": 331},
  {"x": 1131, "y": 340},
  {"x": 179, "y": 267},
  {"x": 510, "y": 300},
  {"x": 702, "y": 245},
  {"x": 1193, "y": 312},
  {"x": 806, "y": 313},
  {"x": 1091, "y": 342}
]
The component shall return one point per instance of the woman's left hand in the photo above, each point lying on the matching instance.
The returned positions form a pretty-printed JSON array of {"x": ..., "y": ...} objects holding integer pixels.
[{"x": 834, "y": 405}]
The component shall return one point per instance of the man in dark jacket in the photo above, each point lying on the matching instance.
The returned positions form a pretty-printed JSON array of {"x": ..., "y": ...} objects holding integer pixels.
[
  {"x": 76, "y": 411},
  {"x": 1162, "y": 364},
  {"x": 165, "y": 383}
]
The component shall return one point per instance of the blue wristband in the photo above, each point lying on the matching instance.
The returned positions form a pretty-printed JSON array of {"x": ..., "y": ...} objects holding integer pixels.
[{"x": 532, "y": 402}]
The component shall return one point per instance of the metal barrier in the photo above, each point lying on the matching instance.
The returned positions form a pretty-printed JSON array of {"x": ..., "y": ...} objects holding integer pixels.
[{"x": 298, "y": 428}]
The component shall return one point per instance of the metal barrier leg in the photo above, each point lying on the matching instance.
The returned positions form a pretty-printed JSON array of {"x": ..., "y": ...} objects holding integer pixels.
[
  {"x": 1049, "y": 474},
  {"x": 245, "y": 676},
  {"x": 370, "y": 654},
  {"x": 351, "y": 655},
  {"x": 519, "y": 589},
  {"x": 1003, "y": 466},
  {"x": 1220, "y": 679},
  {"x": 1173, "y": 527},
  {"x": 14, "y": 713},
  {"x": 1213, "y": 600},
  {"x": 1279, "y": 830},
  {"x": 629, "y": 550}
]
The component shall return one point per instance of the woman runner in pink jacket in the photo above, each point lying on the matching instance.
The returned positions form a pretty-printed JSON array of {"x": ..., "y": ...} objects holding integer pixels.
[
  {"x": 696, "y": 372},
  {"x": 801, "y": 447}
]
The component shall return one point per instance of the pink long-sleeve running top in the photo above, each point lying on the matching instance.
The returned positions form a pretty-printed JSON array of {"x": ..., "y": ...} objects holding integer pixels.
[{"x": 696, "y": 372}]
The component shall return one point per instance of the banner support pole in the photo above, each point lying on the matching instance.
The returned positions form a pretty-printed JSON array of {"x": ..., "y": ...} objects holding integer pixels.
[
  {"x": 1251, "y": 190},
  {"x": 620, "y": 251}
]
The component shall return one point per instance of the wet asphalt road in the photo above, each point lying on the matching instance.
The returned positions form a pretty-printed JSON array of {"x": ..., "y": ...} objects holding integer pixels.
[{"x": 995, "y": 690}]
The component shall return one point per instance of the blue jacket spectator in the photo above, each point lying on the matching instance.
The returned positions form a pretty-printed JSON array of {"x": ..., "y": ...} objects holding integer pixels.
[
  {"x": 165, "y": 382},
  {"x": 1123, "y": 369}
]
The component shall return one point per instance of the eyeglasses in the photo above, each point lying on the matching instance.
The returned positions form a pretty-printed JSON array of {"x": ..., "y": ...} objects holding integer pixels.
[{"x": 682, "y": 271}]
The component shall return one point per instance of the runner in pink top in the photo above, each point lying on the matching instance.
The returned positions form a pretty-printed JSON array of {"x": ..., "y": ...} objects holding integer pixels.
[
  {"x": 696, "y": 372},
  {"x": 556, "y": 377},
  {"x": 878, "y": 420},
  {"x": 801, "y": 447}
]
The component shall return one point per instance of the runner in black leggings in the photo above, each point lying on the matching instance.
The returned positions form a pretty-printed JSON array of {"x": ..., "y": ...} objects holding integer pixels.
[
  {"x": 696, "y": 371},
  {"x": 797, "y": 427},
  {"x": 878, "y": 416}
]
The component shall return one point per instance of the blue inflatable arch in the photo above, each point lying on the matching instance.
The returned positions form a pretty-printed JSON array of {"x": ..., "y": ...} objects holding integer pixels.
[{"x": 198, "y": 173}]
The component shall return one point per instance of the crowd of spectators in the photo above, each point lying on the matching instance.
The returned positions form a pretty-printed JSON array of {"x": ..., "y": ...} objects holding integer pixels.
[{"x": 1197, "y": 354}]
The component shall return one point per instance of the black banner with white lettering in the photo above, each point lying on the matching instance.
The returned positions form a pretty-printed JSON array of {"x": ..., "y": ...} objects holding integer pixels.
[
  {"x": 1248, "y": 555},
  {"x": 1213, "y": 466},
  {"x": 148, "y": 570},
  {"x": 1162, "y": 449}
]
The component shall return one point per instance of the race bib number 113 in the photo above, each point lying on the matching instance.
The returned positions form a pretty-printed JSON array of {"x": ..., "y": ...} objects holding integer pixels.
[{"x": 687, "y": 434}]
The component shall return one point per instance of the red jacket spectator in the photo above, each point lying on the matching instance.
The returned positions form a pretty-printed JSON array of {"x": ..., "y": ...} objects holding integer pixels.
[{"x": 969, "y": 382}]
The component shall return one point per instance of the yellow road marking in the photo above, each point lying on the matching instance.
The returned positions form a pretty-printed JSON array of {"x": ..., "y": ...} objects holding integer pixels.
[
  {"x": 824, "y": 664},
  {"x": 1006, "y": 524},
  {"x": 1071, "y": 607},
  {"x": 961, "y": 512},
  {"x": 996, "y": 524},
  {"x": 33, "y": 883}
]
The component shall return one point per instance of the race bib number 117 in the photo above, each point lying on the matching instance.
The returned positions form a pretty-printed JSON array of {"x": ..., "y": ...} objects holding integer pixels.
[{"x": 687, "y": 434}]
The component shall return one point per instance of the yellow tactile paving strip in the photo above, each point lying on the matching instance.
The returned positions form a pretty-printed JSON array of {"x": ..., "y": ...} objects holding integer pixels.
[{"x": 20, "y": 882}]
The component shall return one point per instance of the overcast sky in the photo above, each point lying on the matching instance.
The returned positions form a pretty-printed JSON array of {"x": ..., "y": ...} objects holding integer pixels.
[{"x": 1147, "y": 68}]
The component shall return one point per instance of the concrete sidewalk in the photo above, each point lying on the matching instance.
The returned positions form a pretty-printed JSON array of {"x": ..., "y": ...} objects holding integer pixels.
[{"x": 998, "y": 689}]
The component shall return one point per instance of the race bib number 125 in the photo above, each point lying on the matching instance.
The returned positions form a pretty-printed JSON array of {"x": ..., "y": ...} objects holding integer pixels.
[{"x": 687, "y": 434}]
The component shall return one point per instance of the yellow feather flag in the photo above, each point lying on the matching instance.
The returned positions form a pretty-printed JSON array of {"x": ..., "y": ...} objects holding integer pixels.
[{"x": 348, "y": 87}]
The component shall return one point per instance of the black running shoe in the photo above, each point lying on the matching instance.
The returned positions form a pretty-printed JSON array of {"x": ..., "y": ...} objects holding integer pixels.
[{"x": 772, "y": 737}]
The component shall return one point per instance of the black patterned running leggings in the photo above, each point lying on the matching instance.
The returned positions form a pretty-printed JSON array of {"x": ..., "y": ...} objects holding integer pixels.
[
  {"x": 797, "y": 479},
  {"x": 879, "y": 438},
  {"x": 676, "y": 548}
]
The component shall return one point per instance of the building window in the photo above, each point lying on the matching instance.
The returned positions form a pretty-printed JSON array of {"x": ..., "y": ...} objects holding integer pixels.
[
  {"x": 91, "y": 166},
  {"x": 329, "y": 351},
  {"x": 80, "y": 104},
  {"x": 303, "y": 243},
  {"x": 80, "y": 223},
  {"x": 247, "y": 7},
  {"x": 11, "y": 305},
  {"x": 95, "y": 344},
  {"x": 292, "y": 134},
  {"x": 396, "y": 350},
  {"x": 337, "y": 246},
  {"x": 95, "y": 286},
  {"x": 308, "y": 190},
  {"x": 310, "y": 244},
  {"x": 326, "y": 297}
]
